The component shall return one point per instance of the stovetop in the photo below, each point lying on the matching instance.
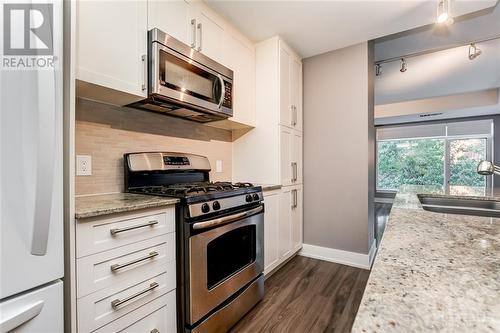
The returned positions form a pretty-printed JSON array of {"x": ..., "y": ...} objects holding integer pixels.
[{"x": 195, "y": 192}]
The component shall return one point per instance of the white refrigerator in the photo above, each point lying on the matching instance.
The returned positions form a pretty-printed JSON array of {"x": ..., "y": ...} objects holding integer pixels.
[{"x": 31, "y": 168}]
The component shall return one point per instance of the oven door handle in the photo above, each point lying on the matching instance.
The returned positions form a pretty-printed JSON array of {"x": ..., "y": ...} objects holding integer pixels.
[{"x": 226, "y": 219}]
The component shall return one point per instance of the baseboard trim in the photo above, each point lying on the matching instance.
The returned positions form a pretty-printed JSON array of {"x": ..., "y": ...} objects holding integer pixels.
[{"x": 348, "y": 258}]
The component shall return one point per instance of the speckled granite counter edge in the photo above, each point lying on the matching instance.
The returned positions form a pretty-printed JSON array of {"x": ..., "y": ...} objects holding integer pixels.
[{"x": 106, "y": 204}]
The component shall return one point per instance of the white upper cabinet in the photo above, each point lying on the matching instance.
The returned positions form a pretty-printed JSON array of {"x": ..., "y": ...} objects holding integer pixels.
[
  {"x": 290, "y": 82},
  {"x": 111, "y": 44},
  {"x": 211, "y": 37},
  {"x": 296, "y": 93},
  {"x": 241, "y": 59},
  {"x": 172, "y": 17},
  {"x": 284, "y": 84}
]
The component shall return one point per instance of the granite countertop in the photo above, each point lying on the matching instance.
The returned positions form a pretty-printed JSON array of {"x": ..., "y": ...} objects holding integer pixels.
[
  {"x": 103, "y": 204},
  {"x": 269, "y": 187},
  {"x": 433, "y": 272}
]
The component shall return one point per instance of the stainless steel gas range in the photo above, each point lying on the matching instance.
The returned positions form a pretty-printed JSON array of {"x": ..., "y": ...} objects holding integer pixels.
[{"x": 220, "y": 237}]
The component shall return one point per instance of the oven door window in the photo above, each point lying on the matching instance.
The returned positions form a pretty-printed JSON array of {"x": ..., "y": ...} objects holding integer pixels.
[
  {"x": 229, "y": 253},
  {"x": 178, "y": 74}
]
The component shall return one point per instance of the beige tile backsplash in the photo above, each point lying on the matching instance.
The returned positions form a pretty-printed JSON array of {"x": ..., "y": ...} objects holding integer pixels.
[{"x": 107, "y": 132}]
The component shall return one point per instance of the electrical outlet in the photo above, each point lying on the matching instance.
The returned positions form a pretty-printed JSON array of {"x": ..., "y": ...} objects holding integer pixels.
[
  {"x": 218, "y": 166},
  {"x": 83, "y": 165}
]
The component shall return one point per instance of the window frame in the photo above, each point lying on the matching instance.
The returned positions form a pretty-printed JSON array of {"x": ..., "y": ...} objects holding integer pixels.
[{"x": 447, "y": 138}]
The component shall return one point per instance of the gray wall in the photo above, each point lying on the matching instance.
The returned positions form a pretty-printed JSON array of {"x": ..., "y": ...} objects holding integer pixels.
[{"x": 339, "y": 149}]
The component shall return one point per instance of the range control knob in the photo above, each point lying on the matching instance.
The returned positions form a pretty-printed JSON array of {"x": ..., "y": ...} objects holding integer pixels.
[
  {"x": 216, "y": 205},
  {"x": 248, "y": 198},
  {"x": 255, "y": 197},
  {"x": 205, "y": 208}
]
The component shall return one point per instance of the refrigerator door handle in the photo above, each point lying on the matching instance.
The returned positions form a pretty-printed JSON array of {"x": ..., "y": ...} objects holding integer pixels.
[
  {"x": 47, "y": 100},
  {"x": 19, "y": 318}
]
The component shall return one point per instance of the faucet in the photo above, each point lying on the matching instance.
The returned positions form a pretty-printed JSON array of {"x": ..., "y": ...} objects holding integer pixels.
[{"x": 486, "y": 168}]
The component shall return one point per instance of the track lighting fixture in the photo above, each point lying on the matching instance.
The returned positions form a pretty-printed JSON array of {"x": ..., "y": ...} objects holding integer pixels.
[
  {"x": 474, "y": 52},
  {"x": 403, "y": 65},
  {"x": 378, "y": 69},
  {"x": 443, "y": 12}
]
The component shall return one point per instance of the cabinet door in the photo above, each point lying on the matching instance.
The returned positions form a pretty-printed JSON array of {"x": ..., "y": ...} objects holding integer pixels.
[
  {"x": 211, "y": 38},
  {"x": 111, "y": 42},
  {"x": 241, "y": 60},
  {"x": 296, "y": 92},
  {"x": 285, "y": 222},
  {"x": 297, "y": 157},
  {"x": 286, "y": 142},
  {"x": 284, "y": 81},
  {"x": 271, "y": 231},
  {"x": 296, "y": 220},
  {"x": 172, "y": 17}
]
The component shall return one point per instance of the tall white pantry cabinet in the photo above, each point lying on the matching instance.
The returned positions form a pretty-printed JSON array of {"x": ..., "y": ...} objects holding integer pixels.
[{"x": 276, "y": 145}]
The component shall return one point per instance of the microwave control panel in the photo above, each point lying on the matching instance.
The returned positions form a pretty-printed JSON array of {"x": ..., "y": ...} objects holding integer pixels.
[{"x": 228, "y": 97}]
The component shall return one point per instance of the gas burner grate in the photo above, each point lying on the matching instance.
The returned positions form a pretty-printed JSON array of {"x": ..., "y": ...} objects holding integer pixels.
[
  {"x": 243, "y": 185},
  {"x": 193, "y": 188}
]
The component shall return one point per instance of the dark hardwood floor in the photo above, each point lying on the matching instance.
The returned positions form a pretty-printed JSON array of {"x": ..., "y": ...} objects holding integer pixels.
[{"x": 307, "y": 295}]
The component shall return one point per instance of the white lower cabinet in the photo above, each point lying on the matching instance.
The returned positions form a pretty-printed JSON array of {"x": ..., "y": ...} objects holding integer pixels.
[
  {"x": 283, "y": 225},
  {"x": 271, "y": 229},
  {"x": 158, "y": 316},
  {"x": 296, "y": 218},
  {"x": 126, "y": 272}
]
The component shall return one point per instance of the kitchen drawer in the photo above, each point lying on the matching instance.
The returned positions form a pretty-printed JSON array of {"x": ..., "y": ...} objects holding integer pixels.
[
  {"x": 159, "y": 314},
  {"x": 94, "y": 235},
  {"x": 97, "y": 310},
  {"x": 137, "y": 262}
]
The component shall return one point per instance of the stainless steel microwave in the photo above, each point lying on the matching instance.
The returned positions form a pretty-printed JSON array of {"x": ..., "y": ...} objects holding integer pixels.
[{"x": 183, "y": 82}]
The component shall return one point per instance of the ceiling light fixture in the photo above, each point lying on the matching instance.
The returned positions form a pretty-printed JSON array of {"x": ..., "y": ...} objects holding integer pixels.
[
  {"x": 378, "y": 69},
  {"x": 403, "y": 65},
  {"x": 474, "y": 52},
  {"x": 443, "y": 12}
]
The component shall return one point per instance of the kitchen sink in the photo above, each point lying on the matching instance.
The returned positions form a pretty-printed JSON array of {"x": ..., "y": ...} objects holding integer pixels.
[{"x": 460, "y": 205}]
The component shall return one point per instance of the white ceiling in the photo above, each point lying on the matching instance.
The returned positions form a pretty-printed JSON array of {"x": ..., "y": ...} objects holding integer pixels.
[{"x": 315, "y": 27}]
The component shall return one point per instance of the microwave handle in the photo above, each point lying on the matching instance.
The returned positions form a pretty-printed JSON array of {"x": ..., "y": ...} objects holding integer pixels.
[
  {"x": 222, "y": 91},
  {"x": 193, "y": 37}
]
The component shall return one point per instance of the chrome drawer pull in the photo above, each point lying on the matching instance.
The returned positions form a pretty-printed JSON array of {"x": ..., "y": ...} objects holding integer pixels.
[
  {"x": 116, "y": 267},
  {"x": 118, "y": 230},
  {"x": 117, "y": 302},
  {"x": 154, "y": 330}
]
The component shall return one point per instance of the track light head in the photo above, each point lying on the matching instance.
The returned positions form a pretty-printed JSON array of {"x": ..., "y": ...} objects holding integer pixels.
[
  {"x": 403, "y": 65},
  {"x": 474, "y": 52},
  {"x": 443, "y": 12}
]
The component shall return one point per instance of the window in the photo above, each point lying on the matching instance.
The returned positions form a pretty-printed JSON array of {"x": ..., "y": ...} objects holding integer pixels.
[{"x": 443, "y": 155}]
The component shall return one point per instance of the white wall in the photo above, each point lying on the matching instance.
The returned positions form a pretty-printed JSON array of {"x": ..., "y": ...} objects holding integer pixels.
[{"x": 338, "y": 150}]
